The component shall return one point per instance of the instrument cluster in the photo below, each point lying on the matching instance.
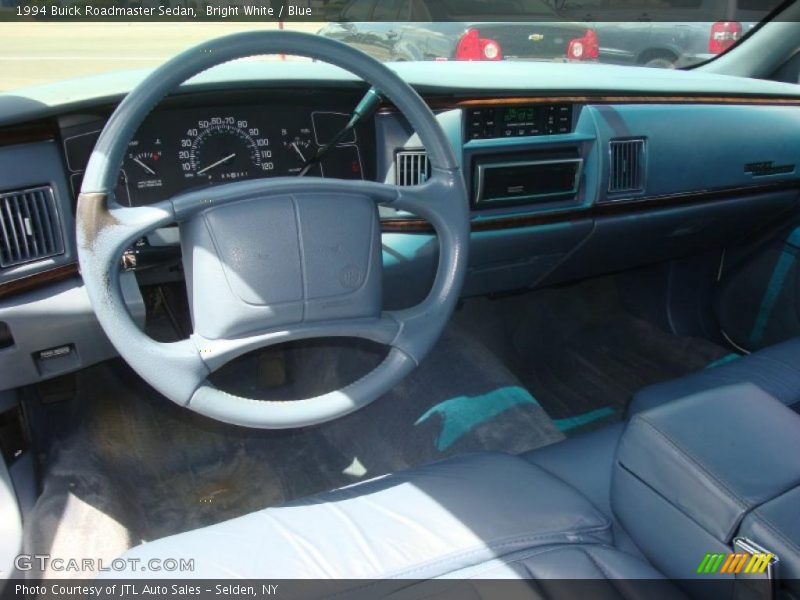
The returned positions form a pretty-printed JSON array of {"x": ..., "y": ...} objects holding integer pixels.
[{"x": 177, "y": 150}]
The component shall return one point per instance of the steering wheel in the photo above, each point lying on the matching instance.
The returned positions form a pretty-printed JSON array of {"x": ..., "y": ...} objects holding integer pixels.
[{"x": 275, "y": 259}]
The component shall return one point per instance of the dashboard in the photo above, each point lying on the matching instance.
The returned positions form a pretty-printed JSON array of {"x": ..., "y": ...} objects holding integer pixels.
[
  {"x": 184, "y": 147},
  {"x": 565, "y": 183}
]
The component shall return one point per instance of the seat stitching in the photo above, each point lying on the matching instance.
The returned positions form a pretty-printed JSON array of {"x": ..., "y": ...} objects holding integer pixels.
[
  {"x": 489, "y": 547},
  {"x": 585, "y": 549},
  {"x": 498, "y": 546},
  {"x": 688, "y": 457},
  {"x": 477, "y": 570}
]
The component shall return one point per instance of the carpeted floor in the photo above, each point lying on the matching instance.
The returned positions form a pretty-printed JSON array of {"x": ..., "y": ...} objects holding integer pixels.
[
  {"x": 579, "y": 352},
  {"x": 127, "y": 465}
]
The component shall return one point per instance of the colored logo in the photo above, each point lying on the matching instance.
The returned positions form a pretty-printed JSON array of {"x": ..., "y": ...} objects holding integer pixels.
[
  {"x": 740, "y": 562},
  {"x": 536, "y": 37}
]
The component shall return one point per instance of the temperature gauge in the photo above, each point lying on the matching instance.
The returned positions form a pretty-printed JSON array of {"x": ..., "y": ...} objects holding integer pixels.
[{"x": 143, "y": 165}]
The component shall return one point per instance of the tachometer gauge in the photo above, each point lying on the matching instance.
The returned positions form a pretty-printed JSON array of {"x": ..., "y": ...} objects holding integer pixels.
[
  {"x": 298, "y": 148},
  {"x": 223, "y": 149}
]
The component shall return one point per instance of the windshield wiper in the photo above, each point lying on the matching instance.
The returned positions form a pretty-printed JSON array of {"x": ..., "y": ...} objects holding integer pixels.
[{"x": 365, "y": 109}]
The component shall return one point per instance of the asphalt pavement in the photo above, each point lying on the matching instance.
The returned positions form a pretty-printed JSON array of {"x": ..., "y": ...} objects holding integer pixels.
[{"x": 33, "y": 53}]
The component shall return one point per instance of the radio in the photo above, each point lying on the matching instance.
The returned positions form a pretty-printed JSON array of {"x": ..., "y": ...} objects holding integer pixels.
[{"x": 526, "y": 179}]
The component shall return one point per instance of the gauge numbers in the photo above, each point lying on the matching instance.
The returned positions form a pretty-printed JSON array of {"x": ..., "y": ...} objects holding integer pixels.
[{"x": 224, "y": 149}]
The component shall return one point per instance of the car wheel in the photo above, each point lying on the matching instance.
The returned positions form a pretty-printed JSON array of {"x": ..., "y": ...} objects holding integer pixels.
[{"x": 660, "y": 62}]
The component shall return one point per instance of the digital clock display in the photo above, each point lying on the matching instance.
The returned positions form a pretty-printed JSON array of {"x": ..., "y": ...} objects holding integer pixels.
[{"x": 518, "y": 115}]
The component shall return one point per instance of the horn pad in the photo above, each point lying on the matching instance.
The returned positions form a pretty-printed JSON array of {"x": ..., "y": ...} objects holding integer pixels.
[{"x": 273, "y": 261}]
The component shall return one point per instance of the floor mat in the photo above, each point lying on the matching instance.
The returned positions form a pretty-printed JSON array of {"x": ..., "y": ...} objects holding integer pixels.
[
  {"x": 579, "y": 353},
  {"x": 128, "y": 465}
]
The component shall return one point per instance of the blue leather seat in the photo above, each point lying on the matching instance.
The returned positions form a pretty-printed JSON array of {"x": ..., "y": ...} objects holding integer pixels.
[
  {"x": 776, "y": 370},
  {"x": 634, "y": 500},
  {"x": 476, "y": 516}
]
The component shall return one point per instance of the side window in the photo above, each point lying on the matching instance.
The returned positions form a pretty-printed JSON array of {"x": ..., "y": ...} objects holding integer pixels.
[{"x": 359, "y": 10}]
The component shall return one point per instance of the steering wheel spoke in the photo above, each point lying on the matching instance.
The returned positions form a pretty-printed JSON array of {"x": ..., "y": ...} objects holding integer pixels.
[
  {"x": 106, "y": 228},
  {"x": 216, "y": 353},
  {"x": 430, "y": 198}
]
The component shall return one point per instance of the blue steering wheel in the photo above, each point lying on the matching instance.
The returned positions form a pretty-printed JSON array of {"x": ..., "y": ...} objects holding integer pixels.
[{"x": 275, "y": 259}]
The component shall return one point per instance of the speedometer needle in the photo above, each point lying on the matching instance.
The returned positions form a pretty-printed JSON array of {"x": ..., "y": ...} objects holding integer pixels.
[{"x": 216, "y": 164}]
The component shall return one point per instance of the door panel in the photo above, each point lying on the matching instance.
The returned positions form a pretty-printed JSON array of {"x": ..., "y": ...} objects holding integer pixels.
[{"x": 758, "y": 303}]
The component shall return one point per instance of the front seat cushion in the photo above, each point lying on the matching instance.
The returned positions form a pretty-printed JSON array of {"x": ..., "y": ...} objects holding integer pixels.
[
  {"x": 776, "y": 370},
  {"x": 417, "y": 524},
  {"x": 566, "y": 571}
]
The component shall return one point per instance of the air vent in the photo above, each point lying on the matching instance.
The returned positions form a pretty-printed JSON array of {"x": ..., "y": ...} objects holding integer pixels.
[
  {"x": 627, "y": 164},
  {"x": 412, "y": 167},
  {"x": 29, "y": 227}
]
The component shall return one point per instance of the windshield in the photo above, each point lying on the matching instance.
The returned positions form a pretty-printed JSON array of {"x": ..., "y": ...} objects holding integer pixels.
[{"x": 45, "y": 43}]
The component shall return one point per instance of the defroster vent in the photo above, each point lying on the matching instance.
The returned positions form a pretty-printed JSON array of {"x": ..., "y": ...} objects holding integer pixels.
[
  {"x": 29, "y": 226},
  {"x": 627, "y": 165},
  {"x": 412, "y": 167}
]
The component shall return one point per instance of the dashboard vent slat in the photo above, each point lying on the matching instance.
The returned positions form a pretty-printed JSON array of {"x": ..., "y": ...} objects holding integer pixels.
[
  {"x": 627, "y": 165},
  {"x": 29, "y": 227},
  {"x": 412, "y": 167}
]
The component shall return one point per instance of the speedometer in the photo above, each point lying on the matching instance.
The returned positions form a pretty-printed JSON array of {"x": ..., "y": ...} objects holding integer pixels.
[{"x": 224, "y": 149}]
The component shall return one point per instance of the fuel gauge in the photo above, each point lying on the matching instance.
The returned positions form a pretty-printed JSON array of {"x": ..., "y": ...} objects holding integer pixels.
[{"x": 298, "y": 149}]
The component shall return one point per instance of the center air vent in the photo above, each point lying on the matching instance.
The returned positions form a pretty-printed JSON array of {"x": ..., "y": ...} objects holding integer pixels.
[
  {"x": 29, "y": 226},
  {"x": 412, "y": 167},
  {"x": 627, "y": 165}
]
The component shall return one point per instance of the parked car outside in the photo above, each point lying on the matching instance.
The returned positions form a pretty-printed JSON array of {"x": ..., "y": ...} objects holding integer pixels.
[
  {"x": 666, "y": 33},
  {"x": 610, "y": 32},
  {"x": 410, "y": 30}
]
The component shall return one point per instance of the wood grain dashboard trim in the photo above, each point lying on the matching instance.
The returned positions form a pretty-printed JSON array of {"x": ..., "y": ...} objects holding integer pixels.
[
  {"x": 37, "y": 280},
  {"x": 27, "y": 133},
  {"x": 618, "y": 99},
  {"x": 448, "y": 103},
  {"x": 623, "y": 206}
]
